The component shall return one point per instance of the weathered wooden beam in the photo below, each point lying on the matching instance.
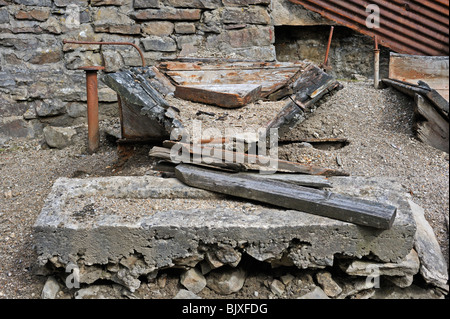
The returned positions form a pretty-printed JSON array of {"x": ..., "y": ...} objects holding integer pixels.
[
  {"x": 312, "y": 85},
  {"x": 308, "y": 200},
  {"x": 250, "y": 162},
  {"x": 223, "y": 95},
  {"x": 272, "y": 76},
  {"x": 430, "y": 127},
  {"x": 144, "y": 113},
  {"x": 441, "y": 105},
  {"x": 189, "y": 64},
  {"x": 313, "y": 181},
  {"x": 165, "y": 154}
]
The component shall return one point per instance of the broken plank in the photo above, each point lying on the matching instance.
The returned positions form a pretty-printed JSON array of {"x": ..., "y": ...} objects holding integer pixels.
[
  {"x": 312, "y": 85},
  {"x": 166, "y": 155},
  {"x": 441, "y": 105},
  {"x": 223, "y": 95},
  {"x": 144, "y": 114},
  {"x": 250, "y": 162},
  {"x": 430, "y": 127},
  {"x": 161, "y": 82},
  {"x": 270, "y": 80},
  {"x": 308, "y": 200},
  {"x": 433, "y": 70}
]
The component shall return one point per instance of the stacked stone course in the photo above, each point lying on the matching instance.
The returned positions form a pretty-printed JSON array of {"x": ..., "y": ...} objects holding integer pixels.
[{"x": 40, "y": 83}]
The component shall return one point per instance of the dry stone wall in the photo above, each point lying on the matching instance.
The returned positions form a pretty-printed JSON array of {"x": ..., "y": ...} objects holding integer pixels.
[{"x": 40, "y": 83}]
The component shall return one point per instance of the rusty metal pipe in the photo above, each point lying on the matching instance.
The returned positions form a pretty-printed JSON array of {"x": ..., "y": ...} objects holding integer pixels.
[
  {"x": 108, "y": 43},
  {"x": 92, "y": 107},
  {"x": 330, "y": 38},
  {"x": 376, "y": 76},
  {"x": 92, "y": 92}
]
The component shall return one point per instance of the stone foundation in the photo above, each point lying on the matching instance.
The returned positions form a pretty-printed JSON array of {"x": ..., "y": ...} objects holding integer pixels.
[{"x": 123, "y": 229}]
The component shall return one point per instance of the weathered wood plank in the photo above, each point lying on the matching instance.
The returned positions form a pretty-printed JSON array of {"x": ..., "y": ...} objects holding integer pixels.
[
  {"x": 433, "y": 70},
  {"x": 441, "y": 105},
  {"x": 144, "y": 113},
  {"x": 431, "y": 128},
  {"x": 160, "y": 82},
  {"x": 312, "y": 85},
  {"x": 270, "y": 80},
  {"x": 313, "y": 181},
  {"x": 223, "y": 95},
  {"x": 308, "y": 200},
  {"x": 249, "y": 162},
  {"x": 165, "y": 154}
]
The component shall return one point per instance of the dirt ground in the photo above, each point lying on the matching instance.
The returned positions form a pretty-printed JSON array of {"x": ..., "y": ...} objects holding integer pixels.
[{"x": 377, "y": 124}]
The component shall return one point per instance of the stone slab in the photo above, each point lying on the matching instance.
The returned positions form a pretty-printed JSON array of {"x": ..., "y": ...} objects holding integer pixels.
[{"x": 101, "y": 221}]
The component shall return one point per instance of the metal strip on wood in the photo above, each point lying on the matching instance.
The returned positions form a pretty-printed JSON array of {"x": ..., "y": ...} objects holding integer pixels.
[{"x": 406, "y": 26}]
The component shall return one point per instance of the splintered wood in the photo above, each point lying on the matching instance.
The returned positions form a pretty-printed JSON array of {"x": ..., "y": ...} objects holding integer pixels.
[
  {"x": 219, "y": 94},
  {"x": 431, "y": 113},
  {"x": 233, "y": 84},
  {"x": 425, "y": 79},
  {"x": 234, "y": 161},
  {"x": 271, "y": 76},
  {"x": 223, "y": 95}
]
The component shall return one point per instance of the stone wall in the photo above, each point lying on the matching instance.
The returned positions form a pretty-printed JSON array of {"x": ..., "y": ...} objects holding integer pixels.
[
  {"x": 351, "y": 54},
  {"x": 40, "y": 83}
]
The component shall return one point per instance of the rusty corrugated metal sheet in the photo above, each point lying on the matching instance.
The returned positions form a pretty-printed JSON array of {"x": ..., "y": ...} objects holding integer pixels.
[{"x": 407, "y": 26}]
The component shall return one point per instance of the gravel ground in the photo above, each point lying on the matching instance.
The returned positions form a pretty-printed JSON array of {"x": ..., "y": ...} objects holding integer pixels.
[{"x": 378, "y": 125}]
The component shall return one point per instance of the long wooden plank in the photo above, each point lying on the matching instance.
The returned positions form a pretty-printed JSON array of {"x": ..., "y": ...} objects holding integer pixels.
[
  {"x": 308, "y": 200},
  {"x": 223, "y": 95},
  {"x": 249, "y": 162},
  {"x": 297, "y": 179},
  {"x": 270, "y": 80},
  {"x": 431, "y": 128},
  {"x": 441, "y": 105}
]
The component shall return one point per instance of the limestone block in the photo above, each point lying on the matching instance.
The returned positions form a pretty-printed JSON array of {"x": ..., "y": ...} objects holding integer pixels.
[
  {"x": 154, "y": 43},
  {"x": 167, "y": 13},
  {"x": 269, "y": 234},
  {"x": 58, "y": 137},
  {"x": 433, "y": 266},
  {"x": 226, "y": 282},
  {"x": 200, "y": 4},
  {"x": 252, "y": 15},
  {"x": 193, "y": 280},
  {"x": 158, "y": 28},
  {"x": 285, "y": 12}
]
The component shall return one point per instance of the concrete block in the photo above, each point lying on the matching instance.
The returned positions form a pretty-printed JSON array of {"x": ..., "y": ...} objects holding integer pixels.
[{"x": 100, "y": 221}]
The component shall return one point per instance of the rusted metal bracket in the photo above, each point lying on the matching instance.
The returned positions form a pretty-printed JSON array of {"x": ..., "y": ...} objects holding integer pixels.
[{"x": 108, "y": 43}]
